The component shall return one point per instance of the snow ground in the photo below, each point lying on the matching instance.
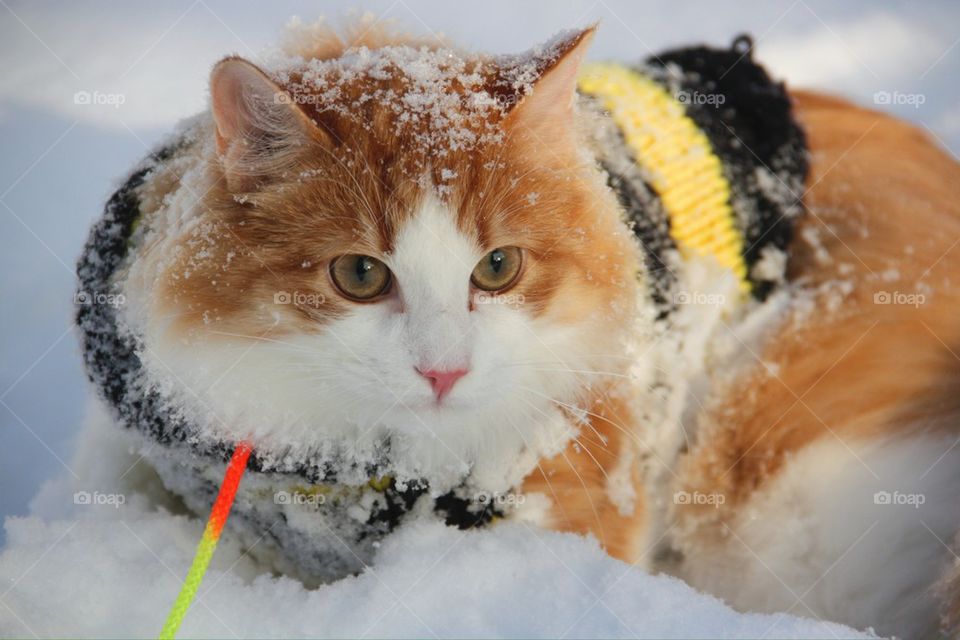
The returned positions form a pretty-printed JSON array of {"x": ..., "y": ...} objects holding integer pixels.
[
  {"x": 112, "y": 568},
  {"x": 114, "y": 572}
]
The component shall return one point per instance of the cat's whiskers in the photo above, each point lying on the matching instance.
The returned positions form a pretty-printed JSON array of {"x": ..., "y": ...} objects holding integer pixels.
[
  {"x": 546, "y": 478},
  {"x": 356, "y": 183},
  {"x": 601, "y": 441},
  {"x": 370, "y": 172},
  {"x": 589, "y": 496},
  {"x": 582, "y": 371},
  {"x": 588, "y": 356},
  {"x": 575, "y": 439},
  {"x": 352, "y": 191},
  {"x": 599, "y": 435},
  {"x": 488, "y": 184},
  {"x": 527, "y": 363},
  {"x": 299, "y": 348},
  {"x": 609, "y": 421}
]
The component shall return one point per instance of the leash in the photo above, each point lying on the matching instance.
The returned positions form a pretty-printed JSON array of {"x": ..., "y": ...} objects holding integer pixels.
[{"x": 208, "y": 543}]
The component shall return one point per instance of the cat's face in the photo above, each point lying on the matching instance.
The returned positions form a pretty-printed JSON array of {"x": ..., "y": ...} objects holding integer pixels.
[{"x": 398, "y": 251}]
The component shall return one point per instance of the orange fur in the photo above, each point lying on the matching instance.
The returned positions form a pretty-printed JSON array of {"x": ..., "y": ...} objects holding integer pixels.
[
  {"x": 883, "y": 201},
  {"x": 365, "y": 183},
  {"x": 877, "y": 187},
  {"x": 578, "y": 480},
  {"x": 881, "y": 197}
]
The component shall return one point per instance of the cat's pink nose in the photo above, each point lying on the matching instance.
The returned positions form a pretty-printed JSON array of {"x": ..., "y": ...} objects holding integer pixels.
[{"x": 442, "y": 381}]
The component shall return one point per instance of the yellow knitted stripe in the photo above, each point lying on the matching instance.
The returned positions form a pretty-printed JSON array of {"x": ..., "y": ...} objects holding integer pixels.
[{"x": 678, "y": 159}]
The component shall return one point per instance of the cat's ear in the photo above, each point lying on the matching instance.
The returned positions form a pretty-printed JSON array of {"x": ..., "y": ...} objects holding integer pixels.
[
  {"x": 544, "y": 113},
  {"x": 260, "y": 130}
]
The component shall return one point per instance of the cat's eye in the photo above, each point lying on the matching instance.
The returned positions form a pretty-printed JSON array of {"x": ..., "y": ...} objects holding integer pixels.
[
  {"x": 498, "y": 269},
  {"x": 360, "y": 277}
]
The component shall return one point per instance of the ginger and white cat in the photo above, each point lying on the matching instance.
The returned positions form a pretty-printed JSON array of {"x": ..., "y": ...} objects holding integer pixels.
[{"x": 400, "y": 260}]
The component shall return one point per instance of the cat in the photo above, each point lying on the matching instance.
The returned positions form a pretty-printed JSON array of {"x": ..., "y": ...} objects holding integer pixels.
[{"x": 407, "y": 275}]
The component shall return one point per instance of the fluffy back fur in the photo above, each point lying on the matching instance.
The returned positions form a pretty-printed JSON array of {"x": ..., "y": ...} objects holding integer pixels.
[{"x": 854, "y": 396}]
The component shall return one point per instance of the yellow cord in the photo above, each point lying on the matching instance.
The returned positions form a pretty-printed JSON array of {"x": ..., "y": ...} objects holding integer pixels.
[{"x": 201, "y": 560}]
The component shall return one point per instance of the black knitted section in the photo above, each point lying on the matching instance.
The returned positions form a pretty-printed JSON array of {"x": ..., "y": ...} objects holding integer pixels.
[
  {"x": 111, "y": 362},
  {"x": 749, "y": 121},
  {"x": 642, "y": 208},
  {"x": 653, "y": 232}
]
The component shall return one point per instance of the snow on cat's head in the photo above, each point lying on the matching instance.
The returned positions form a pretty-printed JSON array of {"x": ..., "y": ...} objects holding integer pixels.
[{"x": 402, "y": 252}]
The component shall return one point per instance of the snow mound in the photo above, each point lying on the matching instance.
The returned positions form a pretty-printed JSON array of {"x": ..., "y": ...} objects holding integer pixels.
[
  {"x": 104, "y": 552},
  {"x": 114, "y": 570}
]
